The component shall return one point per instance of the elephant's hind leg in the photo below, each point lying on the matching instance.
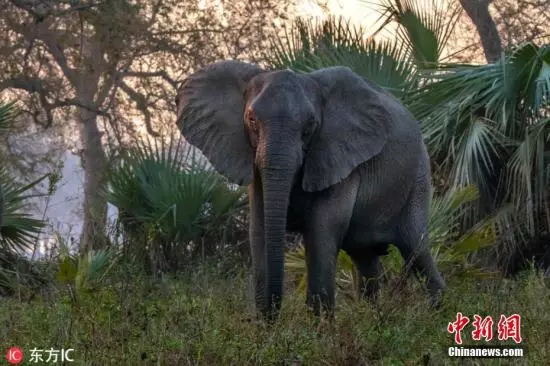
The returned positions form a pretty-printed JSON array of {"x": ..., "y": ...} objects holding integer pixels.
[
  {"x": 420, "y": 260},
  {"x": 414, "y": 245}
]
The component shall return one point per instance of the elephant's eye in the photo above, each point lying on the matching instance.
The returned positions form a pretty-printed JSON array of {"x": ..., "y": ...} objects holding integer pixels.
[{"x": 309, "y": 128}]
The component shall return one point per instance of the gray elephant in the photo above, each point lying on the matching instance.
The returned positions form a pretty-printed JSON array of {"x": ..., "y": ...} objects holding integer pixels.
[{"x": 326, "y": 154}]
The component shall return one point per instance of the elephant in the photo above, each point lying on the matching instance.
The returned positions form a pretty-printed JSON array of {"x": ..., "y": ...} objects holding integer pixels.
[{"x": 327, "y": 154}]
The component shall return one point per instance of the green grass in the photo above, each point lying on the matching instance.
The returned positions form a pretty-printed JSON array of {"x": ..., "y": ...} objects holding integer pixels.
[{"x": 204, "y": 318}]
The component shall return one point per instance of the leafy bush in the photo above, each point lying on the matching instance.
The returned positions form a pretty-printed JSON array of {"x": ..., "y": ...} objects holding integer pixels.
[
  {"x": 86, "y": 273},
  {"x": 173, "y": 207}
]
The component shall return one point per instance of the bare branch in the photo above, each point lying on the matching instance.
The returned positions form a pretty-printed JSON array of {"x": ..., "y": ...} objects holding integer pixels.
[
  {"x": 40, "y": 9},
  {"x": 31, "y": 32},
  {"x": 37, "y": 86},
  {"x": 478, "y": 11},
  {"x": 162, "y": 74},
  {"x": 56, "y": 51},
  {"x": 108, "y": 82},
  {"x": 30, "y": 6},
  {"x": 141, "y": 104},
  {"x": 27, "y": 83},
  {"x": 190, "y": 31}
]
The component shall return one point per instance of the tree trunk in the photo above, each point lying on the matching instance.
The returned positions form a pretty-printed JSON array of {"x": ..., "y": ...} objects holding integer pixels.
[
  {"x": 94, "y": 163},
  {"x": 478, "y": 11}
]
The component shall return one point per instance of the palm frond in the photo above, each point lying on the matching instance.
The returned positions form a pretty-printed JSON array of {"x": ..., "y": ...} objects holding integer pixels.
[
  {"x": 8, "y": 112},
  {"x": 170, "y": 200},
  {"x": 529, "y": 174},
  {"x": 478, "y": 116},
  {"x": 314, "y": 45},
  {"x": 424, "y": 27},
  {"x": 18, "y": 230}
]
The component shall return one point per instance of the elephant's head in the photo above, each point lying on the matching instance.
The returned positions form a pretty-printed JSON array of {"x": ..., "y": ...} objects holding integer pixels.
[{"x": 269, "y": 124}]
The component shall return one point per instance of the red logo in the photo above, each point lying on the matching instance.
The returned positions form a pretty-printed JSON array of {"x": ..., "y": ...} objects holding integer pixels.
[
  {"x": 14, "y": 355},
  {"x": 457, "y": 326},
  {"x": 483, "y": 328},
  {"x": 509, "y": 327}
]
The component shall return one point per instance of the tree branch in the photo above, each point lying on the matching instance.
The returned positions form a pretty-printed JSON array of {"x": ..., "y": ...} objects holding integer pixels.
[
  {"x": 478, "y": 11},
  {"x": 56, "y": 50},
  {"x": 37, "y": 86},
  {"x": 141, "y": 104},
  {"x": 40, "y": 10},
  {"x": 30, "y": 84},
  {"x": 141, "y": 74},
  {"x": 31, "y": 32}
]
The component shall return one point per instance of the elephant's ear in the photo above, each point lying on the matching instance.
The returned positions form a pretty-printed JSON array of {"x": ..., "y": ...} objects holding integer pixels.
[
  {"x": 210, "y": 116},
  {"x": 354, "y": 128}
]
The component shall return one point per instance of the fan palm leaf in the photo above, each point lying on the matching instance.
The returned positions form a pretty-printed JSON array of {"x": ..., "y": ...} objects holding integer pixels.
[
  {"x": 18, "y": 230},
  {"x": 424, "y": 27},
  {"x": 8, "y": 112},
  {"x": 488, "y": 125},
  {"x": 313, "y": 45},
  {"x": 171, "y": 201}
]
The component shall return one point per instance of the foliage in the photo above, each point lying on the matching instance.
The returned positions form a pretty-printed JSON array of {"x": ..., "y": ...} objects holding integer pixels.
[
  {"x": 18, "y": 230},
  {"x": 310, "y": 46},
  {"x": 204, "y": 318},
  {"x": 85, "y": 273},
  {"x": 487, "y": 124},
  {"x": 392, "y": 64},
  {"x": 8, "y": 112},
  {"x": 23, "y": 279},
  {"x": 423, "y": 28},
  {"x": 172, "y": 206}
]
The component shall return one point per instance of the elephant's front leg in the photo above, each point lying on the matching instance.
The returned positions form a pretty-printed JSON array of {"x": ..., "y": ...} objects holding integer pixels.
[
  {"x": 257, "y": 244},
  {"x": 326, "y": 225},
  {"x": 321, "y": 252}
]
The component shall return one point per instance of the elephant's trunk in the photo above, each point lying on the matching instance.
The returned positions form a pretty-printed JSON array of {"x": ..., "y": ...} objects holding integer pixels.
[{"x": 277, "y": 180}]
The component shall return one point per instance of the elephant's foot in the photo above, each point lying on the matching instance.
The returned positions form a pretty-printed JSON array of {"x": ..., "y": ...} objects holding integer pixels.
[
  {"x": 369, "y": 289},
  {"x": 436, "y": 288},
  {"x": 436, "y": 299},
  {"x": 318, "y": 304}
]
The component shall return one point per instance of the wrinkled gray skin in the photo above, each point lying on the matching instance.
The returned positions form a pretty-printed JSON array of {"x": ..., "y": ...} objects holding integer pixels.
[{"x": 326, "y": 154}]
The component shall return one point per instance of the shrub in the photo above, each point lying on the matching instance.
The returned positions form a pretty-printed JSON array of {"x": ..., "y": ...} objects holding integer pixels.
[{"x": 173, "y": 207}]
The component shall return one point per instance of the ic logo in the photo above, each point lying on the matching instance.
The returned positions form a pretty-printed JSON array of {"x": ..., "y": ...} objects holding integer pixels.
[{"x": 14, "y": 355}]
